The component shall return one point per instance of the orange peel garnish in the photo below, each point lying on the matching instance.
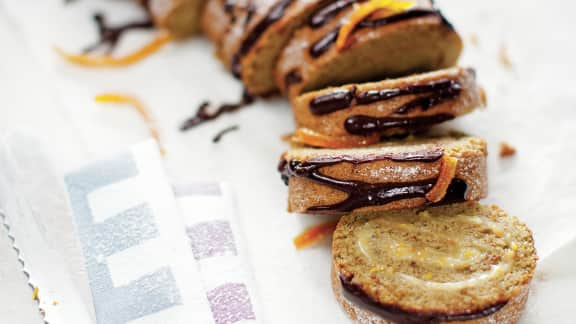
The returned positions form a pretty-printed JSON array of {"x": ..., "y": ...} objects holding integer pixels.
[
  {"x": 447, "y": 173},
  {"x": 313, "y": 235},
  {"x": 116, "y": 98},
  {"x": 100, "y": 61},
  {"x": 309, "y": 137},
  {"x": 362, "y": 11}
]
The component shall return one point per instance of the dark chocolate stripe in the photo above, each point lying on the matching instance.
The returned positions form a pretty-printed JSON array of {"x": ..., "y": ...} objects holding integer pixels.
[
  {"x": 110, "y": 36},
  {"x": 333, "y": 101},
  {"x": 249, "y": 13},
  {"x": 356, "y": 295},
  {"x": 325, "y": 14},
  {"x": 442, "y": 90},
  {"x": 426, "y": 102},
  {"x": 323, "y": 44},
  {"x": 203, "y": 114},
  {"x": 365, "y": 125},
  {"x": 291, "y": 78},
  {"x": 370, "y": 96},
  {"x": 363, "y": 194},
  {"x": 276, "y": 13}
]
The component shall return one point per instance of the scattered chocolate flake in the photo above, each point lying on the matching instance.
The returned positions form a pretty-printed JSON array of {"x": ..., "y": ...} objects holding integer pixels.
[
  {"x": 507, "y": 150},
  {"x": 505, "y": 58},
  {"x": 109, "y": 37},
  {"x": 203, "y": 115},
  {"x": 223, "y": 132}
]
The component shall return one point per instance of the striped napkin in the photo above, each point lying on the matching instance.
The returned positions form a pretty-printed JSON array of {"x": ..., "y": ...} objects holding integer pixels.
[{"x": 113, "y": 242}]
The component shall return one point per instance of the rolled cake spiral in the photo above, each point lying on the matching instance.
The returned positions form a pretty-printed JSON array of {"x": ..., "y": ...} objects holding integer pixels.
[{"x": 463, "y": 263}]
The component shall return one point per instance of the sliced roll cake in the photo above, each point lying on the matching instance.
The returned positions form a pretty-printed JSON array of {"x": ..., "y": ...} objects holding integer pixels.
[
  {"x": 348, "y": 42},
  {"x": 251, "y": 46},
  {"x": 357, "y": 114},
  {"x": 462, "y": 263},
  {"x": 180, "y": 17},
  {"x": 408, "y": 173}
]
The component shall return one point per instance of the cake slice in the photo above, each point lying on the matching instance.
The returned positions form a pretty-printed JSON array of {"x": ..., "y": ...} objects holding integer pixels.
[
  {"x": 180, "y": 17},
  {"x": 361, "y": 42},
  {"x": 408, "y": 173},
  {"x": 218, "y": 16},
  {"x": 260, "y": 30},
  {"x": 463, "y": 263},
  {"x": 356, "y": 113}
]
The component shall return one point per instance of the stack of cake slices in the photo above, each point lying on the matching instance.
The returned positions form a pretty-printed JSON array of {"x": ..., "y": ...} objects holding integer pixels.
[{"x": 367, "y": 80}]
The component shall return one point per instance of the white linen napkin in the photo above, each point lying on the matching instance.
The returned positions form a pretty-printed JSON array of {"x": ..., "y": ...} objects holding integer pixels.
[{"x": 109, "y": 244}]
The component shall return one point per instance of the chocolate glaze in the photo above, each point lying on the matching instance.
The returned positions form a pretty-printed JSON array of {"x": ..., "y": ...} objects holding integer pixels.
[
  {"x": 356, "y": 295},
  {"x": 203, "y": 115},
  {"x": 366, "y": 125},
  {"x": 333, "y": 101},
  {"x": 367, "y": 97},
  {"x": 276, "y": 13},
  {"x": 250, "y": 11},
  {"x": 325, "y": 43},
  {"x": 220, "y": 134},
  {"x": 363, "y": 194},
  {"x": 442, "y": 90},
  {"x": 292, "y": 77},
  {"x": 326, "y": 14},
  {"x": 427, "y": 102},
  {"x": 110, "y": 36}
]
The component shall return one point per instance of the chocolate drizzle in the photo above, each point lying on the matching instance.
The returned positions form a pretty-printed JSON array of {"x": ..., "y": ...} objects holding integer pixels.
[
  {"x": 365, "y": 125},
  {"x": 325, "y": 43},
  {"x": 276, "y": 13},
  {"x": 442, "y": 90},
  {"x": 356, "y": 295},
  {"x": 110, "y": 36},
  {"x": 333, "y": 101},
  {"x": 218, "y": 137},
  {"x": 291, "y": 78},
  {"x": 363, "y": 194},
  {"x": 325, "y": 14},
  {"x": 203, "y": 115},
  {"x": 441, "y": 86},
  {"x": 250, "y": 11}
]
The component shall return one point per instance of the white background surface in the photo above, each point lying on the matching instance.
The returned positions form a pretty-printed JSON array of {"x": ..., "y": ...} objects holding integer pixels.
[{"x": 532, "y": 106}]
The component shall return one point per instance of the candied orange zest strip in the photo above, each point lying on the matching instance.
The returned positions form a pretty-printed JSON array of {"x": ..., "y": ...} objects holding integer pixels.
[
  {"x": 447, "y": 172},
  {"x": 366, "y": 9},
  {"x": 100, "y": 61},
  {"x": 309, "y": 137},
  {"x": 313, "y": 235},
  {"x": 116, "y": 98}
]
